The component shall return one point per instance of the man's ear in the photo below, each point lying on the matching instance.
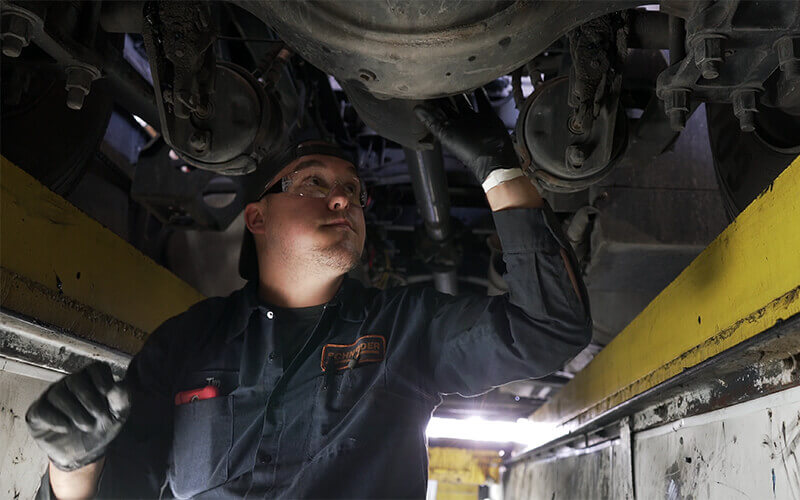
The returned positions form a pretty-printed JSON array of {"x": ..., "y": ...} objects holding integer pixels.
[{"x": 254, "y": 217}]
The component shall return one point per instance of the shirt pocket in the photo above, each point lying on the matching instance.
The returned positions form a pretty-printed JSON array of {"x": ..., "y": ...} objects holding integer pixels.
[
  {"x": 201, "y": 445},
  {"x": 341, "y": 389},
  {"x": 340, "y": 393}
]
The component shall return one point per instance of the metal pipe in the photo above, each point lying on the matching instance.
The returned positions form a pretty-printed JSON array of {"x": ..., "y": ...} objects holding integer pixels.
[
  {"x": 428, "y": 179},
  {"x": 446, "y": 281},
  {"x": 131, "y": 90}
]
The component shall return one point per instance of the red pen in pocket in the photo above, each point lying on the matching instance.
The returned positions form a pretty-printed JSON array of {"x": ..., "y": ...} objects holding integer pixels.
[{"x": 192, "y": 395}]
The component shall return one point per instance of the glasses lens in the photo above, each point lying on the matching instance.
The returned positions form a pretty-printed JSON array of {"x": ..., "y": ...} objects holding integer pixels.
[{"x": 318, "y": 185}]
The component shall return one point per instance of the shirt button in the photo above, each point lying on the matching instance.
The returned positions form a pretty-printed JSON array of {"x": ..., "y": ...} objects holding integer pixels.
[
  {"x": 270, "y": 315},
  {"x": 272, "y": 356},
  {"x": 265, "y": 458}
]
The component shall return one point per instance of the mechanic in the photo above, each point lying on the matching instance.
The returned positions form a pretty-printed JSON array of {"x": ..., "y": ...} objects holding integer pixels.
[{"x": 305, "y": 384}]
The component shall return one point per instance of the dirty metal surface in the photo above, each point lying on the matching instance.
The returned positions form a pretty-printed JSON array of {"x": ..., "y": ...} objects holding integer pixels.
[
  {"x": 424, "y": 49},
  {"x": 34, "y": 300},
  {"x": 764, "y": 364},
  {"x": 22, "y": 463},
  {"x": 587, "y": 474},
  {"x": 61, "y": 265},
  {"x": 744, "y": 451},
  {"x": 28, "y": 342},
  {"x": 745, "y": 282}
]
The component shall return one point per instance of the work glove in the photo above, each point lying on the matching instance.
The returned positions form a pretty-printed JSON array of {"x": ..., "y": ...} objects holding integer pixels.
[
  {"x": 78, "y": 416},
  {"x": 479, "y": 139}
]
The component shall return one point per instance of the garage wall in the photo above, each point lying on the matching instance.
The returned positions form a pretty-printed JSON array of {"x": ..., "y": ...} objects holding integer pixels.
[
  {"x": 22, "y": 463},
  {"x": 739, "y": 452},
  {"x": 742, "y": 451}
]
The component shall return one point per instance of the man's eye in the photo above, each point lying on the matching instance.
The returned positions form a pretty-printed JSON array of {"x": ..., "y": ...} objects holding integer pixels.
[
  {"x": 351, "y": 188},
  {"x": 313, "y": 180}
]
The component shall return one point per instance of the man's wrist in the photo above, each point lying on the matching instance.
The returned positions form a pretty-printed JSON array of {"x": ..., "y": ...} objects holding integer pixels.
[
  {"x": 499, "y": 176},
  {"x": 77, "y": 484},
  {"x": 516, "y": 193}
]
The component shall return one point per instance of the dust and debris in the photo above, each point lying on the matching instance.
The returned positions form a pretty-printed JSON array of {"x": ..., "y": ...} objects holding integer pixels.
[
  {"x": 116, "y": 334},
  {"x": 674, "y": 484},
  {"x": 10, "y": 411},
  {"x": 683, "y": 362},
  {"x": 773, "y": 482},
  {"x": 745, "y": 495},
  {"x": 766, "y": 190},
  {"x": 783, "y": 441},
  {"x": 672, "y": 409}
]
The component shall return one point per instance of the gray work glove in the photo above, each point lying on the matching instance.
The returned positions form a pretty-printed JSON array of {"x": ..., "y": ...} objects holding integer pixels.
[
  {"x": 78, "y": 416},
  {"x": 479, "y": 139}
]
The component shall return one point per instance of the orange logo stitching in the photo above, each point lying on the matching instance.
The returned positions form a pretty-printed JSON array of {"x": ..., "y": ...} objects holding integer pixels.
[{"x": 366, "y": 349}]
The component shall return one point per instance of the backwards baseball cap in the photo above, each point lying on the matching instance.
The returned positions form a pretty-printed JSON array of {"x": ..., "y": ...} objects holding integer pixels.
[{"x": 266, "y": 181}]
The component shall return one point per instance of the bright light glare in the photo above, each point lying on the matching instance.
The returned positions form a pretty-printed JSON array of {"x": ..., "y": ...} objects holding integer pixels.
[
  {"x": 523, "y": 431},
  {"x": 140, "y": 121}
]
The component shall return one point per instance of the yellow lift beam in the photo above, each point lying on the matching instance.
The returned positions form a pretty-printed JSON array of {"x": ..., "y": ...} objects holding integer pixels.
[
  {"x": 59, "y": 266},
  {"x": 743, "y": 283}
]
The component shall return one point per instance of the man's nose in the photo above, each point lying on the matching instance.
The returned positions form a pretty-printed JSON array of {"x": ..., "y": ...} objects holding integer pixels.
[{"x": 337, "y": 198}]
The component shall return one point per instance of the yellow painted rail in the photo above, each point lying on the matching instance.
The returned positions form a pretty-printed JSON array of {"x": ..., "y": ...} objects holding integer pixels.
[
  {"x": 743, "y": 283},
  {"x": 62, "y": 267}
]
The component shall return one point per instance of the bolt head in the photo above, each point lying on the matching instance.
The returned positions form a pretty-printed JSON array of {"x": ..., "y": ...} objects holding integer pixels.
[
  {"x": 75, "y": 98},
  {"x": 12, "y": 46},
  {"x": 745, "y": 109},
  {"x": 747, "y": 121},
  {"x": 677, "y": 119},
  {"x": 576, "y": 155},
  {"x": 708, "y": 56},
  {"x": 677, "y": 99},
  {"x": 199, "y": 140},
  {"x": 16, "y": 34},
  {"x": 367, "y": 75},
  {"x": 788, "y": 50},
  {"x": 710, "y": 69}
]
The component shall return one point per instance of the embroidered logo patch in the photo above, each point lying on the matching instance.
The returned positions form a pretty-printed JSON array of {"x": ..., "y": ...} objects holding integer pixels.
[{"x": 367, "y": 349}]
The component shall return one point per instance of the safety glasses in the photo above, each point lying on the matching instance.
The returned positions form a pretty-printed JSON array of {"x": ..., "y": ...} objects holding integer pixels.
[{"x": 319, "y": 182}]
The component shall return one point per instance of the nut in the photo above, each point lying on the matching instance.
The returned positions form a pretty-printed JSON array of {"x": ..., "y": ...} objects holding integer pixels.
[
  {"x": 788, "y": 49},
  {"x": 744, "y": 107},
  {"x": 200, "y": 140},
  {"x": 16, "y": 34},
  {"x": 79, "y": 83},
  {"x": 576, "y": 156},
  {"x": 708, "y": 55},
  {"x": 676, "y": 105},
  {"x": 367, "y": 75}
]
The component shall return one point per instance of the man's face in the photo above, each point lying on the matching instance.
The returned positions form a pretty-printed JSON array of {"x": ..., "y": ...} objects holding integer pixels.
[{"x": 316, "y": 223}]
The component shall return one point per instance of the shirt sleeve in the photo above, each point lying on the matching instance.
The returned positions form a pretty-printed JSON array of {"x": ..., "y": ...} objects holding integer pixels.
[
  {"x": 136, "y": 461},
  {"x": 475, "y": 343}
]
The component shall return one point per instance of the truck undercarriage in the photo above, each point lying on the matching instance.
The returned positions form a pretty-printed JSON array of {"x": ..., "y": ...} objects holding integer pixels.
[{"x": 152, "y": 116}]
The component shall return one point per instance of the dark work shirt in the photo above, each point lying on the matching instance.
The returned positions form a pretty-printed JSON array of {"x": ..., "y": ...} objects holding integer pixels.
[
  {"x": 293, "y": 326},
  {"x": 346, "y": 417}
]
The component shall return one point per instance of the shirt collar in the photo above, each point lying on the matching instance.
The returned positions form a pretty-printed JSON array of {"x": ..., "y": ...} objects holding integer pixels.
[{"x": 349, "y": 300}]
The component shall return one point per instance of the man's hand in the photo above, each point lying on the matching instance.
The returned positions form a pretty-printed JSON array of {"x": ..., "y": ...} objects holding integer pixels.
[
  {"x": 479, "y": 139},
  {"x": 78, "y": 416}
]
